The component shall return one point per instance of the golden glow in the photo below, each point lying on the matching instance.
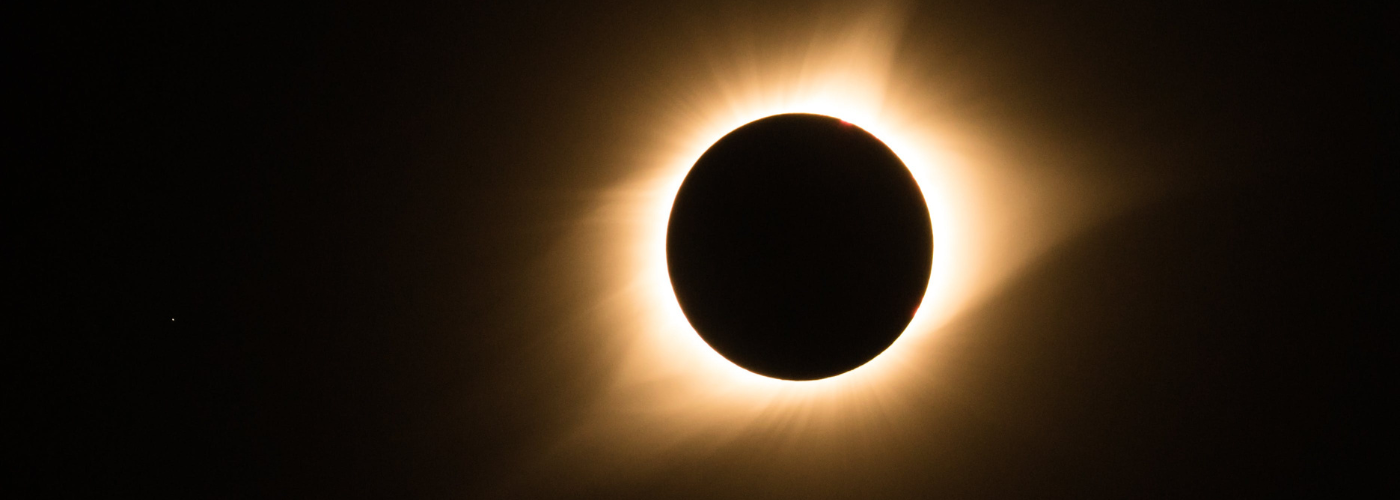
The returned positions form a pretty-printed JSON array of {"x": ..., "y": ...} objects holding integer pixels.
[
  {"x": 668, "y": 392},
  {"x": 846, "y": 82}
]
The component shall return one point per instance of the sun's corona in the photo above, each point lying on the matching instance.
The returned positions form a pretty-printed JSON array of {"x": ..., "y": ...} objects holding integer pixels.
[{"x": 665, "y": 387}]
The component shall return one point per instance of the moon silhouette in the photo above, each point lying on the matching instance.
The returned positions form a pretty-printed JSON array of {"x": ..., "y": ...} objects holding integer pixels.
[{"x": 799, "y": 246}]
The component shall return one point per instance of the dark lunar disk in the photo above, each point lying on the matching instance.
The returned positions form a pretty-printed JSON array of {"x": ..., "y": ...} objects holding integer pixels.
[{"x": 799, "y": 246}]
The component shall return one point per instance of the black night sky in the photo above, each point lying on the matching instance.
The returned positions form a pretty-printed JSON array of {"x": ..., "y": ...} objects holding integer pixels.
[{"x": 323, "y": 252}]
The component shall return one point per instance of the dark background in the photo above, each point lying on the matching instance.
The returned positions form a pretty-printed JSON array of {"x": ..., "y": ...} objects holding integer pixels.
[{"x": 342, "y": 206}]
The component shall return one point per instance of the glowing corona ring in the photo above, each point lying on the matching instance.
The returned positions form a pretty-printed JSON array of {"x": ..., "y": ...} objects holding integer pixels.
[
  {"x": 846, "y": 78},
  {"x": 666, "y": 390}
]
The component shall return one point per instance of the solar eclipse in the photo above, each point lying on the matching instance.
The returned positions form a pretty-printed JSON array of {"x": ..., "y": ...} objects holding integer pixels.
[
  {"x": 799, "y": 246},
  {"x": 985, "y": 214},
  {"x": 700, "y": 250}
]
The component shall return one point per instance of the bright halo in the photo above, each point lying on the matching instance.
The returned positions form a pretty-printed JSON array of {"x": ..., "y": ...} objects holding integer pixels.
[
  {"x": 848, "y": 82},
  {"x": 666, "y": 390}
]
